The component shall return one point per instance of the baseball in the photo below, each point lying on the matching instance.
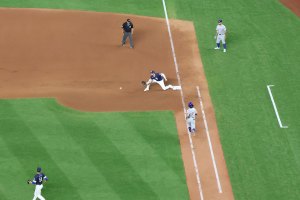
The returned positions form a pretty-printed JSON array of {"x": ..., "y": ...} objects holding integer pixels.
[{"x": 120, "y": 88}]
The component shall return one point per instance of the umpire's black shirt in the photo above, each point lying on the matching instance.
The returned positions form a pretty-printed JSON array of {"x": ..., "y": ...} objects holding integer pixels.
[{"x": 127, "y": 26}]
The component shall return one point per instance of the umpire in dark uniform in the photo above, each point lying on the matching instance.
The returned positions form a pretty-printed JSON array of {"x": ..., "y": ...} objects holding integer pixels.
[{"x": 127, "y": 32}]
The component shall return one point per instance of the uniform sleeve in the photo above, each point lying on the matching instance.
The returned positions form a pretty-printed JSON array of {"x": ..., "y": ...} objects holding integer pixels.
[
  {"x": 33, "y": 180},
  {"x": 45, "y": 178}
]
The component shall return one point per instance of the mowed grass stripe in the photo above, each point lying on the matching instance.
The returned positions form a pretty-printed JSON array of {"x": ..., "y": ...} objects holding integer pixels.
[
  {"x": 30, "y": 151},
  {"x": 160, "y": 143},
  {"x": 114, "y": 146},
  {"x": 93, "y": 155},
  {"x": 109, "y": 161},
  {"x": 12, "y": 169},
  {"x": 64, "y": 151}
]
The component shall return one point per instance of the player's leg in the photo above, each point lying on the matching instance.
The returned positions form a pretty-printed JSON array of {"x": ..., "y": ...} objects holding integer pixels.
[
  {"x": 223, "y": 42},
  {"x": 218, "y": 42},
  {"x": 125, "y": 35},
  {"x": 189, "y": 125},
  {"x": 175, "y": 87},
  {"x": 162, "y": 85},
  {"x": 41, "y": 197},
  {"x": 37, "y": 192},
  {"x": 40, "y": 193},
  {"x": 193, "y": 126},
  {"x": 130, "y": 40}
]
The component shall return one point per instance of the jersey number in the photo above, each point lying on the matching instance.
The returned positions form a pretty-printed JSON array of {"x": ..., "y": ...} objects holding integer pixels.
[{"x": 40, "y": 179}]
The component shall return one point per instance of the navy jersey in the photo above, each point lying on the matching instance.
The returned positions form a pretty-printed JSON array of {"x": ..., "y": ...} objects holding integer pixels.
[
  {"x": 127, "y": 26},
  {"x": 38, "y": 179},
  {"x": 156, "y": 77}
]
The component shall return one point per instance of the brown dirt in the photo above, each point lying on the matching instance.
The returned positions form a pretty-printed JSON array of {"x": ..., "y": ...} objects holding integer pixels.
[
  {"x": 293, "y": 5},
  {"x": 77, "y": 58}
]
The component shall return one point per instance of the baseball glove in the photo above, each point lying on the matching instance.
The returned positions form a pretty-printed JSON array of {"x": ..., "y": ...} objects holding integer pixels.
[
  {"x": 28, "y": 181},
  {"x": 144, "y": 84}
]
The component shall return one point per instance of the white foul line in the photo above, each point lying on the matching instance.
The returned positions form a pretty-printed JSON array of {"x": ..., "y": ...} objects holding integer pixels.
[
  {"x": 209, "y": 141},
  {"x": 274, "y": 105},
  {"x": 182, "y": 100}
]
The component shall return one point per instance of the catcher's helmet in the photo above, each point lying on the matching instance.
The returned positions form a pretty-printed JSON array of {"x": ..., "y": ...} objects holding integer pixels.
[
  {"x": 39, "y": 169},
  {"x": 220, "y": 20},
  {"x": 190, "y": 105}
]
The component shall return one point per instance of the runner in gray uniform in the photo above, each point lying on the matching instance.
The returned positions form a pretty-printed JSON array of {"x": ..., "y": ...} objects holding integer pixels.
[
  {"x": 220, "y": 35},
  {"x": 191, "y": 117},
  {"x": 127, "y": 32}
]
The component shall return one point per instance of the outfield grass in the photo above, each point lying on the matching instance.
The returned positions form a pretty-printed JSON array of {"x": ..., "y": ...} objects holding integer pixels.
[
  {"x": 263, "y": 47},
  {"x": 89, "y": 155}
]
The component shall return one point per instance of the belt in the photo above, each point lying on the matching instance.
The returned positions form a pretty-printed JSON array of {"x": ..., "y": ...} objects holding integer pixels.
[{"x": 221, "y": 34}]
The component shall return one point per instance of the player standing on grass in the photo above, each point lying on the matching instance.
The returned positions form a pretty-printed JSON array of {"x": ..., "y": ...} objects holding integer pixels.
[
  {"x": 38, "y": 182},
  {"x": 220, "y": 35},
  {"x": 191, "y": 117}
]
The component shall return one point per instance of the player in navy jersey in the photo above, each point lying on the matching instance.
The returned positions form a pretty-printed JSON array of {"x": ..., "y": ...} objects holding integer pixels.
[
  {"x": 38, "y": 180},
  {"x": 160, "y": 79}
]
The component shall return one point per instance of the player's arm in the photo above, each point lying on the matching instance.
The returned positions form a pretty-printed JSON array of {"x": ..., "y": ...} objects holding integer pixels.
[
  {"x": 164, "y": 76},
  {"x": 45, "y": 178},
  {"x": 132, "y": 28},
  {"x": 149, "y": 81},
  {"x": 33, "y": 182},
  {"x": 122, "y": 27}
]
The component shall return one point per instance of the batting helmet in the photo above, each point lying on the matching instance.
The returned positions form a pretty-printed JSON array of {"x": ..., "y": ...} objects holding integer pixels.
[
  {"x": 190, "y": 105},
  {"x": 152, "y": 72},
  {"x": 220, "y": 20},
  {"x": 39, "y": 169}
]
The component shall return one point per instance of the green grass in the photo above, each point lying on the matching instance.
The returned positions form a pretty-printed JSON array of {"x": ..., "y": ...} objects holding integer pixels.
[
  {"x": 89, "y": 155},
  {"x": 263, "y": 48}
]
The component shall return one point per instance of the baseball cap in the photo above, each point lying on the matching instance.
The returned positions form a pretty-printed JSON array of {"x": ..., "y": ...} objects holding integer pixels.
[
  {"x": 38, "y": 169},
  {"x": 220, "y": 20}
]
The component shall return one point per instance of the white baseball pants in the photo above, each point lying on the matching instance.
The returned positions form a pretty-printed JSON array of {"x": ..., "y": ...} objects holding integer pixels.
[
  {"x": 38, "y": 192},
  {"x": 191, "y": 123},
  {"x": 221, "y": 38}
]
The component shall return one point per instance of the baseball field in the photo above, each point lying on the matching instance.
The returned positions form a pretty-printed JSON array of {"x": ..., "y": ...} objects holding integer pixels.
[{"x": 71, "y": 100}]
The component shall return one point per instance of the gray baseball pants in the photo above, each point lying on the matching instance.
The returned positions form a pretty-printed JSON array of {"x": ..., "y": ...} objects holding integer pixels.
[{"x": 125, "y": 36}]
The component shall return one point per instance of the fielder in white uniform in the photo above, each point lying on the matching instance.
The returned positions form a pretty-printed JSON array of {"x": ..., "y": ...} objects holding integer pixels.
[
  {"x": 191, "y": 117},
  {"x": 220, "y": 35},
  {"x": 160, "y": 79}
]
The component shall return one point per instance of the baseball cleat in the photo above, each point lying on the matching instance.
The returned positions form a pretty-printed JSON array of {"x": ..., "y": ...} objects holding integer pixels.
[
  {"x": 217, "y": 47},
  {"x": 146, "y": 89},
  {"x": 224, "y": 50}
]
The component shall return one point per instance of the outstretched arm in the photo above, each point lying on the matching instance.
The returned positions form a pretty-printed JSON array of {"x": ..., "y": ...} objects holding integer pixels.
[
  {"x": 164, "y": 76},
  {"x": 149, "y": 81}
]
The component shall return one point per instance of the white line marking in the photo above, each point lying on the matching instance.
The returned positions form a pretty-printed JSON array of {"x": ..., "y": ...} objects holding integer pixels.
[
  {"x": 209, "y": 141},
  {"x": 275, "y": 108},
  {"x": 182, "y": 100}
]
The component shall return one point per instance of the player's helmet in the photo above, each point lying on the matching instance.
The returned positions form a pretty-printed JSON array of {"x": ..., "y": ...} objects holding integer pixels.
[
  {"x": 152, "y": 72},
  {"x": 220, "y": 20},
  {"x": 190, "y": 105},
  {"x": 39, "y": 169}
]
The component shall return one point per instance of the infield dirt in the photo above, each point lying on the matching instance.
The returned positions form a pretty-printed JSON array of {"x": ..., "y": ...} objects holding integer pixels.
[
  {"x": 293, "y": 5},
  {"x": 77, "y": 58}
]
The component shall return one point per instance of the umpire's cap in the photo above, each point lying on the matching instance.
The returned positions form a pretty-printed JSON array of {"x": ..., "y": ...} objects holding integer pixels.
[
  {"x": 220, "y": 20},
  {"x": 38, "y": 169}
]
